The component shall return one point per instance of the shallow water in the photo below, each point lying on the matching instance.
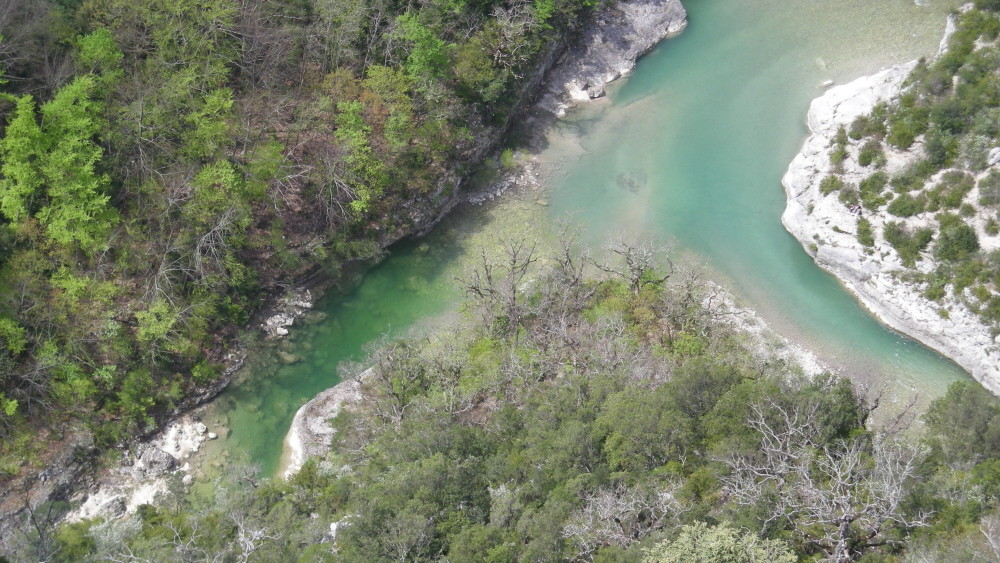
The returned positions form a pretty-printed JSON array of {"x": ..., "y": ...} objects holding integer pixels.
[
  {"x": 711, "y": 120},
  {"x": 690, "y": 149}
]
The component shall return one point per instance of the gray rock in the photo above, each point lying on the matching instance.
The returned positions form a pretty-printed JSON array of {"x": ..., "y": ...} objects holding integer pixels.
[{"x": 153, "y": 462}]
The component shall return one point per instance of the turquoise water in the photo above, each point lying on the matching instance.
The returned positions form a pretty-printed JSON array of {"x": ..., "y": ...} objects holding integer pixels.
[
  {"x": 704, "y": 130},
  {"x": 711, "y": 120}
]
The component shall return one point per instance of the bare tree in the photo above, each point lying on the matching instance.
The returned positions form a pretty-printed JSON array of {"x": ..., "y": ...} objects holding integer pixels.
[
  {"x": 637, "y": 263},
  {"x": 497, "y": 286},
  {"x": 840, "y": 498},
  {"x": 619, "y": 516}
]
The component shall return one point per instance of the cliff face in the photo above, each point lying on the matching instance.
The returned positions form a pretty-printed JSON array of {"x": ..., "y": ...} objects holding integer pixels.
[
  {"x": 828, "y": 230},
  {"x": 608, "y": 50}
]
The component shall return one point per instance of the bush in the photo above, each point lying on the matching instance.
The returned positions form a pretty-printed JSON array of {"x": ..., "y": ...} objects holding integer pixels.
[
  {"x": 870, "y": 190},
  {"x": 950, "y": 191},
  {"x": 975, "y": 149},
  {"x": 698, "y": 542},
  {"x": 908, "y": 245},
  {"x": 906, "y": 205},
  {"x": 940, "y": 147},
  {"x": 865, "y": 235},
  {"x": 989, "y": 189},
  {"x": 831, "y": 184},
  {"x": 849, "y": 197},
  {"x": 868, "y": 125},
  {"x": 956, "y": 243},
  {"x": 871, "y": 153},
  {"x": 905, "y": 125}
]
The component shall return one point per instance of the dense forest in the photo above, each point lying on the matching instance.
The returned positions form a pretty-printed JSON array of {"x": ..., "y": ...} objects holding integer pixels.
[
  {"x": 572, "y": 418},
  {"x": 166, "y": 165}
]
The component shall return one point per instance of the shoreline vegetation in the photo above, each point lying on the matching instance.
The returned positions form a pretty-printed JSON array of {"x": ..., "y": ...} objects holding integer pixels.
[
  {"x": 268, "y": 177},
  {"x": 891, "y": 194},
  {"x": 596, "y": 410}
]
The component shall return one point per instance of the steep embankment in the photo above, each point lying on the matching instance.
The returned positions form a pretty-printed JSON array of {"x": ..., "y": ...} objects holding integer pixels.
[{"x": 828, "y": 227}]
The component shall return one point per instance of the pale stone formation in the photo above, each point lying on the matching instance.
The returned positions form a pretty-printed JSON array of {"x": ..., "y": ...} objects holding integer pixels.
[
  {"x": 607, "y": 50},
  {"x": 827, "y": 229},
  {"x": 310, "y": 433}
]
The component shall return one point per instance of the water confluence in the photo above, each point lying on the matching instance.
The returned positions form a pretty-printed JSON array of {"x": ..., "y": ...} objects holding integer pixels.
[{"x": 689, "y": 150}]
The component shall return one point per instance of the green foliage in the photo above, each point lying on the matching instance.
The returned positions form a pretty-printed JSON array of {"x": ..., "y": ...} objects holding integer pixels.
[
  {"x": 701, "y": 543},
  {"x": 369, "y": 173},
  {"x": 831, "y": 184},
  {"x": 428, "y": 57},
  {"x": 865, "y": 234},
  {"x": 871, "y": 153},
  {"x": 950, "y": 191},
  {"x": 905, "y": 205},
  {"x": 13, "y": 335},
  {"x": 908, "y": 245},
  {"x": 870, "y": 191},
  {"x": 50, "y": 171},
  {"x": 989, "y": 189},
  {"x": 965, "y": 423},
  {"x": 956, "y": 241}
]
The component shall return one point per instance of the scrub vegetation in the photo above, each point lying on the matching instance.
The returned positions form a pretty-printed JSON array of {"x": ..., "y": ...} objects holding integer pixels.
[
  {"x": 571, "y": 419},
  {"x": 940, "y": 212}
]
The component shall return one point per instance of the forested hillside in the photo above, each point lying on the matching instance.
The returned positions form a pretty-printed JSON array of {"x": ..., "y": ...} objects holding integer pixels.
[
  {"x": 165, "y": 165},
  {"x": 572, "y": 419}
]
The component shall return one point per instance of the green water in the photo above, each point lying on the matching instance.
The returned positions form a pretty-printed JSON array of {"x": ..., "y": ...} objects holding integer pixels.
[
  {"x": 710, "y": 120},
  {"x": 704, "y": 128}
]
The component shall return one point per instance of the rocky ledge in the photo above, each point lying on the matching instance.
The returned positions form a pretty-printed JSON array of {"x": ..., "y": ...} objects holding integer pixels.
[
  {"x": 310, "y": 433},
  {"x": 608, "y": 49},
  {"x": 827, "y": 229}
]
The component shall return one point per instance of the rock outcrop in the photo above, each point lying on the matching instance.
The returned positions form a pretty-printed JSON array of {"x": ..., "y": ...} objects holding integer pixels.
[
  {"x": 827, "y": 229},
  {"x": 310, "y": 433},
  {"x": 608, "y": 49},
  {"x": 123, "y": 489}
]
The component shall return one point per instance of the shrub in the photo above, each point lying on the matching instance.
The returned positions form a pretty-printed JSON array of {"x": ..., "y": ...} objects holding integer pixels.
[
  {"x": 956, "y": 243},
  {"x": 940, "y": 147},
  {"x": 849, "y": 197},
  {"x": 867, "y": 126},
  {"x": 950, "y": 191},
  {"x": 831, "y": 184},
  {"x": 906, "y": 205},
  {"x": 989, "y": 189},
  {"x": 905, "y": 125},
  {"x": 870, "y": 190},
  {"x": 871, "y": 153},
  {"x": 865, "y": 235},
  {"x": 975, "y": 149},
  {"x": 908, "y": 245}
]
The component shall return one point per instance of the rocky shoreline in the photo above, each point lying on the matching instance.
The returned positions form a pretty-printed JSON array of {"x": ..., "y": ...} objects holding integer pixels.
[
  {"x": 310, "y": 433},
  {"x": 827, "y": 230},
  {"x": 608, "y": 50}
]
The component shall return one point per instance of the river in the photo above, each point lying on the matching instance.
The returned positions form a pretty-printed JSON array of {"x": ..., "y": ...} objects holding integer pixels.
[{"x": 689, "y": 150}]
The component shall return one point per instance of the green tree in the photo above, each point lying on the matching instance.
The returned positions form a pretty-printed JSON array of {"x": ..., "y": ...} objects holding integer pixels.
[
  {"x": 50, "y": 169},
  {"x": 701, "y": 543}
]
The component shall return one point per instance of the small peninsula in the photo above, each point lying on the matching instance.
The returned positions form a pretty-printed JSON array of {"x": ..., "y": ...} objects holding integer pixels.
[{"x": 893, "y": 192}]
